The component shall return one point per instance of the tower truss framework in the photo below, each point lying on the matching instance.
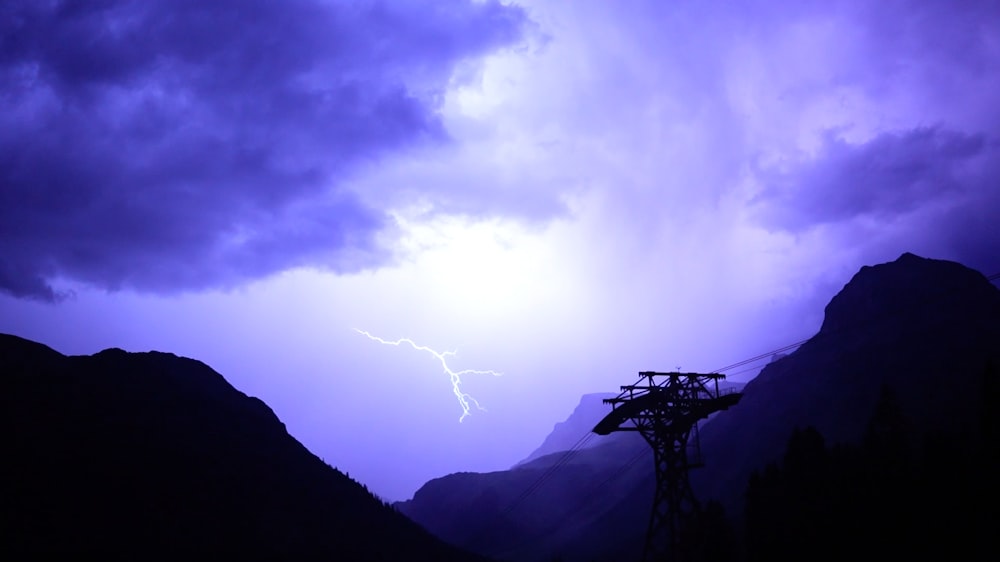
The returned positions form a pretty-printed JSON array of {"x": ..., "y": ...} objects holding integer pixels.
[{"x": 665, "y": 409}]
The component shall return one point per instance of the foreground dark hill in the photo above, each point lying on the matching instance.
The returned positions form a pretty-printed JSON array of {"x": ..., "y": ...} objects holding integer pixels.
[
  {"x": 150, "y": 455},
  {"x": 926, "y": 330}
]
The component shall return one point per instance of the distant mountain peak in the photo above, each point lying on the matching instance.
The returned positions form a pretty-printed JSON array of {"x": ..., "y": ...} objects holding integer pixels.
[
  {"x": 898, "y": 288},
  {"x": 568, "y": 433}
]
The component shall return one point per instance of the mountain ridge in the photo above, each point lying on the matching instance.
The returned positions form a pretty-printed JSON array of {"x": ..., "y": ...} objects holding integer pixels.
[{"x": 154, "y": 456}]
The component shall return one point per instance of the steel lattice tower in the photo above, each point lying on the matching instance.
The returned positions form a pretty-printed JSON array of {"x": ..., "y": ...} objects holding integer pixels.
[{"x": 665, "y": 408}]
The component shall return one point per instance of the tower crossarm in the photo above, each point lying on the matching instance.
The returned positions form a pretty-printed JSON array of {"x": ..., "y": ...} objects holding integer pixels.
[{"x": 671, "y": 400}]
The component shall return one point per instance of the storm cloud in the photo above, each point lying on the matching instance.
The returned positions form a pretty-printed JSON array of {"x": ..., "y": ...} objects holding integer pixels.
[
  {"x": 178, "y": 145},
  {"x": 890, "y": 175}
]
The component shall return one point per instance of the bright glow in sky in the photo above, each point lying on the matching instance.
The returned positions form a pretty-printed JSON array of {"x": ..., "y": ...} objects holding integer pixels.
[{"x": 566, "y": 192}]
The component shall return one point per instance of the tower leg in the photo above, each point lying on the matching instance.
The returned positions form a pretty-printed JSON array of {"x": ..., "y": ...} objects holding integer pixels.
[{"x": 674, "y": 503}]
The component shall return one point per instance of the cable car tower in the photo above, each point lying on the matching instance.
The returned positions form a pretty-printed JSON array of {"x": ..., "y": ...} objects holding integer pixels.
[{"x": 665, "y": 408}]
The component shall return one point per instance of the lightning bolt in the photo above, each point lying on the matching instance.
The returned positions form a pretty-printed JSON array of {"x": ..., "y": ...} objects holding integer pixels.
[{"x": 464, "y": 399}]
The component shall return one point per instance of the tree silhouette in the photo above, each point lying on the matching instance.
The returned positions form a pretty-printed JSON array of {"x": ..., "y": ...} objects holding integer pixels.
[{"x": 881, "y": 499}]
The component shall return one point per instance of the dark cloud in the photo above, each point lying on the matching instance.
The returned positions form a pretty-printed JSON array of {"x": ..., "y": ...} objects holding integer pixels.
[
  {"x": 928, "y": 190},
  {"x": 896, "y": 67},
  {"x": 892, "y": 174},
  {"x": 180, "y": 144}
]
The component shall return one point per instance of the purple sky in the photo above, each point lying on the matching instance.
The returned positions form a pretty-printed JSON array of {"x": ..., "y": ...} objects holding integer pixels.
[{"x": 565, "y": 192}]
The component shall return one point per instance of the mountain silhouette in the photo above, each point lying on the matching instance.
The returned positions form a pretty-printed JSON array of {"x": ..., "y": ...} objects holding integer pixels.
[
  {"x": 152, "y": 456},
  {"x": 924, "y": 329},
  {"x": 568, "y": 433}
]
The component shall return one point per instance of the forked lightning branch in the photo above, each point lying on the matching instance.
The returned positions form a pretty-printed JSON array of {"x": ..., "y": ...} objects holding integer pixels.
[{"x": 467, "y": 401}]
